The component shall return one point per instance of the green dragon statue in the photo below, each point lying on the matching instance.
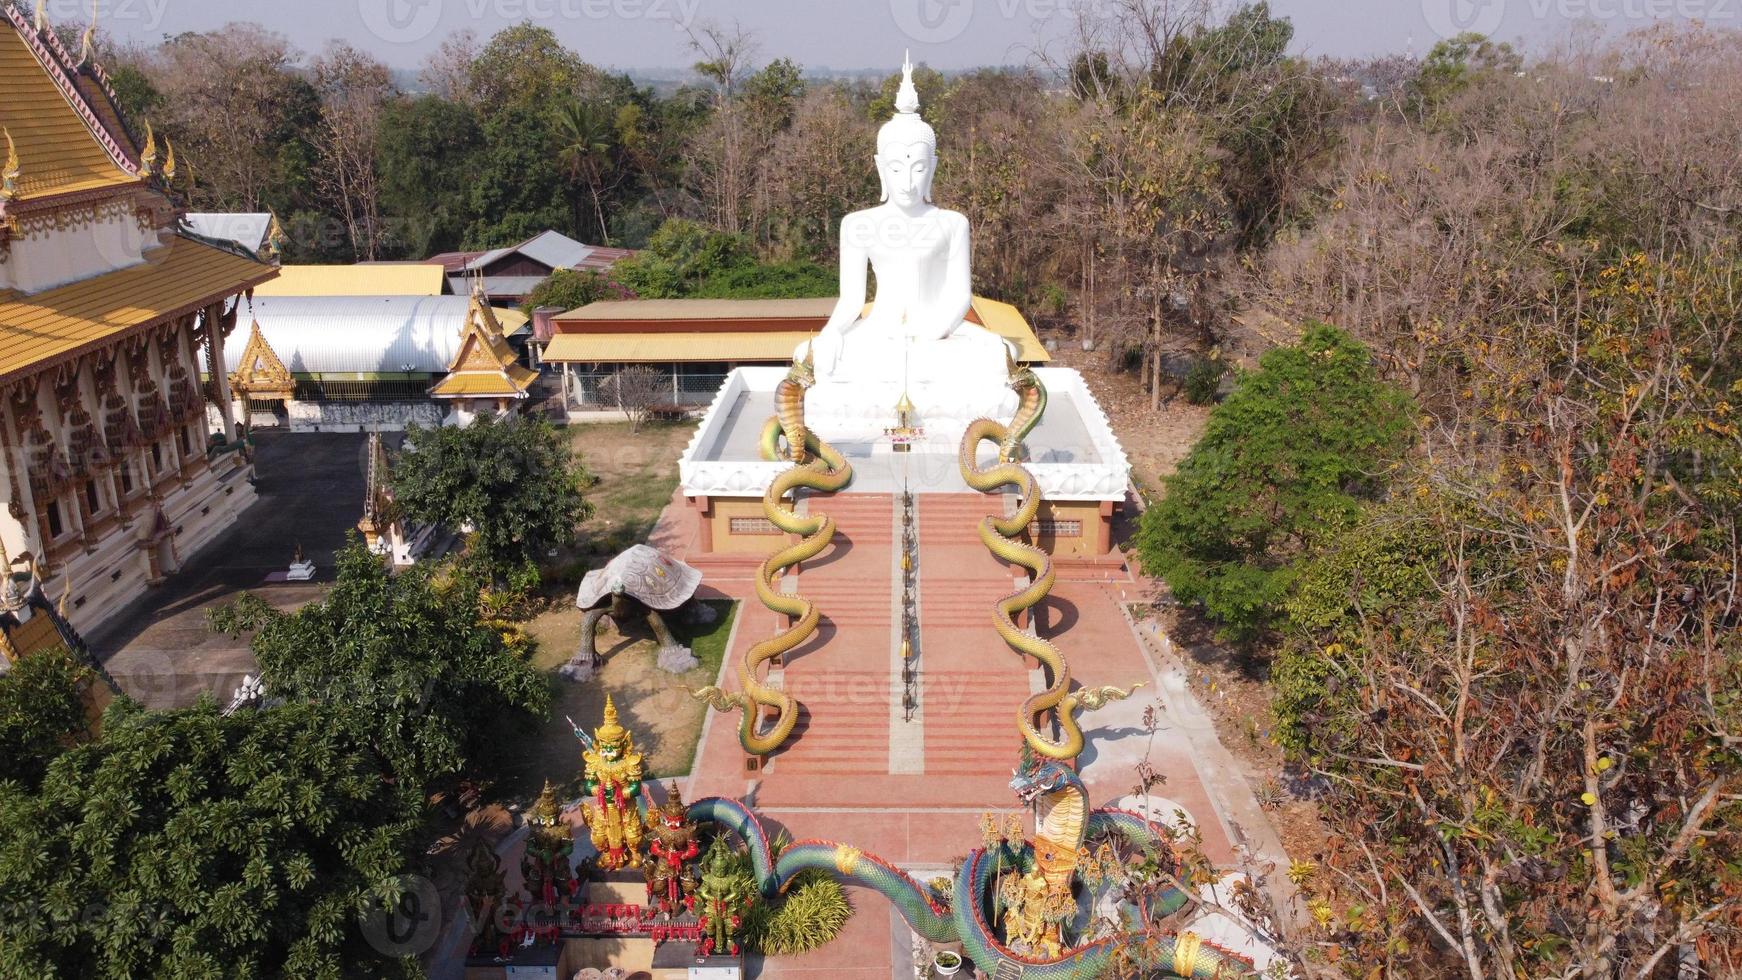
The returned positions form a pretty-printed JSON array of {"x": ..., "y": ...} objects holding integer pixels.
[
  {"x": 816, "y": 466},
  {"x": 999, "y": 535},
  {"x": 1065, "y": 828}
]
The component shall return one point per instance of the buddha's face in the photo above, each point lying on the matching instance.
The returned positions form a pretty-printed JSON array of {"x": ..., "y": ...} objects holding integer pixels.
[{"x": 906, "y": 172}]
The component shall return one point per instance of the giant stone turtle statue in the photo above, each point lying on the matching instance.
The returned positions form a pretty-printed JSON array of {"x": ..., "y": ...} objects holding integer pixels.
[{"x": 638, "y": 582}]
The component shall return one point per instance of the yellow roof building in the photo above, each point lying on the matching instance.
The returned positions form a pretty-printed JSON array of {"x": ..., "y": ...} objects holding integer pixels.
[{"x": 731, "y": 330}]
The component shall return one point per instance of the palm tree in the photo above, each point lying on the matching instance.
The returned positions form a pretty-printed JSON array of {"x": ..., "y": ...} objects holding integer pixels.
[{"x": 586, "y": 135}]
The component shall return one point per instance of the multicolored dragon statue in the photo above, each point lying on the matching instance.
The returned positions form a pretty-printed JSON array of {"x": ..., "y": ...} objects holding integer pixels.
[
  {"x": 816, "y": 466},
  {"x": 1000, "y": 536},
  {"x": 1064, "y": 828}
]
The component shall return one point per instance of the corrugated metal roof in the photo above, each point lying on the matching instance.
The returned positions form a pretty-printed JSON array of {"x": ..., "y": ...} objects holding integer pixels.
[
  {"x": 495, "y": 285},
  {"x": 1002, "y": 319},
  {"x": 360, "y": 334},
  {"x": 356, "y": 280},
  {"x": 58, "y": 151},
  {"x": 773, "y": 346},
  {"x": 248, "y": 230},
  {"x": 47, "y": 327},
  {"x": 703, "y": 309}
]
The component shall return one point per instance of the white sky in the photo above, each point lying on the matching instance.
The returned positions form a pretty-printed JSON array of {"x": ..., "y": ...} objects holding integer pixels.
[{"x": 947, "y": 34}]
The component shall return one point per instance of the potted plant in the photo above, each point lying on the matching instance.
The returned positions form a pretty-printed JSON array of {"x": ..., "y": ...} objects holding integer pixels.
[{"x": 947, "y": 963}]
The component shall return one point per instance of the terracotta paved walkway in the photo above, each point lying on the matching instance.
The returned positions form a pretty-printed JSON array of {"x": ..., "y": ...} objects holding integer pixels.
[{"x": 832, "y": 780}]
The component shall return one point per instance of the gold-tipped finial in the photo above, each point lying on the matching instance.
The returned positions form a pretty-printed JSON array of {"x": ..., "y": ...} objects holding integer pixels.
[
  {"x": 9, "y": 173},
  {"x": 169, "y": 160},
  {"x": 611, "y": 730},
  {"x": 148, "y": 156},
  {"x": 40, "y": 19},
  {"x": 88, "y": 40}
]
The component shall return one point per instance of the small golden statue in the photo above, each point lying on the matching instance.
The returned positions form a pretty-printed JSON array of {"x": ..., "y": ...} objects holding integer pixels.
[
  {"x": 1034, "y": 914},
  {"x": 613, "y": 780}
]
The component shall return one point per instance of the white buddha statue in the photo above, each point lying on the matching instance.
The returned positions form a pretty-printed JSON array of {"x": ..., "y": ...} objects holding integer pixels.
[{"x": 915, "y": 333}]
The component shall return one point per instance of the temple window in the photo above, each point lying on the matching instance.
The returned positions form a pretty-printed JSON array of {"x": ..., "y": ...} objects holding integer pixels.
[
  {"x": 127, "y": 476},
  {"x": 93, "y": 499},
  {"x": 157, "y": 457},
  {"x": 181, "y": 441},
  {"x": 56, "y": 526}
]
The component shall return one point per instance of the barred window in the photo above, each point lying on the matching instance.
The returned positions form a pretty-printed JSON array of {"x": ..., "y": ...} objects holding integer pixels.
[
  {"x": 1056, "y": 529},
  {"x": 753, "y": 525}
]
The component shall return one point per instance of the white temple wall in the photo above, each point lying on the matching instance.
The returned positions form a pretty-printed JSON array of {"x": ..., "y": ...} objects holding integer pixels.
[{"x": 46, "y": 256}]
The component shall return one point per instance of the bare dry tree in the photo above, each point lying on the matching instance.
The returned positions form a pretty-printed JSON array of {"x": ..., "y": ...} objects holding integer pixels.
[{"x": 638, "y": 391}]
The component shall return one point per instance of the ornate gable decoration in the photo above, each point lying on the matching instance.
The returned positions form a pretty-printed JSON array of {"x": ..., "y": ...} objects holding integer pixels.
[
  {"x": 260, "y": 374},
  {"x": 484, "y": 366},
  {"x": 53, "y": 61}
]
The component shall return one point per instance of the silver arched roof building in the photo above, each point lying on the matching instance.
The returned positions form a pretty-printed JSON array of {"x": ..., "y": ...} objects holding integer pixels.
[{"x": 361, "y": 336}]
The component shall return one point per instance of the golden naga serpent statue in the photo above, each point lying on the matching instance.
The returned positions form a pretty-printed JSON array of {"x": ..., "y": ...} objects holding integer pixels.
[
  {"x": 1000, "y": 537},
  {"x": 817, "y": 466}
]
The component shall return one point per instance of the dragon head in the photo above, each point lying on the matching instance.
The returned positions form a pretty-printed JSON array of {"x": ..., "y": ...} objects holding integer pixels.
[
  {"x": 1035, "y": 777},
  {"x": 804, "y": 373}
]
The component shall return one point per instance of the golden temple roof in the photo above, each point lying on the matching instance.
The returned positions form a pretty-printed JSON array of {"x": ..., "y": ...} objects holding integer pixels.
[
  {"x": 260, "y": 373},
  {"x": 625, "y": 342},
  {"x": 43, "y": 329},
  {"x": 58, "y": 150},
  {"x": 485, "y": 365}
]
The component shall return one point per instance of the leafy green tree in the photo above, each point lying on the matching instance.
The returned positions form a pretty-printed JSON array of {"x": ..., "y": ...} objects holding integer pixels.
[
  {"x": 518, "y": 189},
  {"x": 514, "y": 481},
  {"x": 402, "y": 659},
  {"x": 1290, "y": 455},
  {"x": 687, "y": 258},
  {"x": 586, "y": 137},
  {"x": 429, "y": 152},
  {"x": 526, "y": 66},
  {"x": 189, "y": 844},
  {"x": 571, "y": 288},
  {"x": 41, "y": 713}
]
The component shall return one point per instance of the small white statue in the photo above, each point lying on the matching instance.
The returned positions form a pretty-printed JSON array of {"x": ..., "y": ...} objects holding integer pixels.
[{"x": 922, "y": 257}]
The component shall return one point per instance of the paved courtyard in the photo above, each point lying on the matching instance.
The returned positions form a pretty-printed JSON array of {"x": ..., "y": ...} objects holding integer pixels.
[{"x": 310, "y": 487}]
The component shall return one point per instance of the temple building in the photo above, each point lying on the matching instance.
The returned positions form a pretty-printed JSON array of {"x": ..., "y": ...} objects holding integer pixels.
[
  {"x": 371, "y": 361},
  {"x": 114, "y": 472},
  {"x": 695, "y": 343}
]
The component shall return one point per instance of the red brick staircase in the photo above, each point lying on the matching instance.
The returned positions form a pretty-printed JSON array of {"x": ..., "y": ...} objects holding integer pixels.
[{"x": 973, "y": 682}]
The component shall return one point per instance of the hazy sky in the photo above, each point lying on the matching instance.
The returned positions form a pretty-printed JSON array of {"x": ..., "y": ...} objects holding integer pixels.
[{"x": 947, "y": 34}]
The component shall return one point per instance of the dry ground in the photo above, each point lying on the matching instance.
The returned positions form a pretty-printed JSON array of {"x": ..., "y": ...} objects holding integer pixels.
[
  {"x": 634, "y": 473},
  {"x": 654, "y": 705}
]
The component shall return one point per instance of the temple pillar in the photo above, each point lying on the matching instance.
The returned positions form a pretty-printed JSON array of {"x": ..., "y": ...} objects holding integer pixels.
[{"x": 215, "y": 329}]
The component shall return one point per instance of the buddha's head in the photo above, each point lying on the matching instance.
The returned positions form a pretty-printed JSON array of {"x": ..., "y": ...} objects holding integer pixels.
[{"x": 907, "y": 148}]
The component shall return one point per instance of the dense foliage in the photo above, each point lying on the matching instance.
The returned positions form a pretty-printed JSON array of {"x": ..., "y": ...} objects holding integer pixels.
[
  {"x": 685, "y": 258},
  {"x": 41, "y": 712},
  {"x": 568, "y": 289},
  {"x": 188, "y": 844},
  {"x": 512, "y": 480},
  {"x": 400, "y": 659},
  {"x": 1286, "y": 459}
]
